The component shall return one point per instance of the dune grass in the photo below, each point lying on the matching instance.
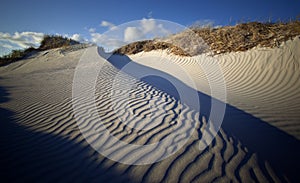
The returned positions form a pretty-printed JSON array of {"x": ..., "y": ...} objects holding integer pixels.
[
  {"x": 149, "y": 45},
  {"x": 240, "y": 37},
  {"x": 53, "y": 41},
  {"x": 245, "y": 36}
]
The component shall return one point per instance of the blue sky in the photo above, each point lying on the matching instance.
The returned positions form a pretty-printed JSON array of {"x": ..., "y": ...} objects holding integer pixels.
[{"x": 24, "y": 22}]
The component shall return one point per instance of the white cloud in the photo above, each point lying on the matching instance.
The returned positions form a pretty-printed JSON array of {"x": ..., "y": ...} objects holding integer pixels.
[
  {"x": 23, "y": 39},
  {"x": 105, "y": 41},
  {"x": 6, "y": 45},
  {"x": 136, "y": 31},
  {"x": 148, "y": 25},
  {"x": 75, "y": 37},
  {"x": 110, "y": 25},
  {"x": 79, "y": 38},
  {"x": 133, "y": 34},
  {"x": 145, "y": 29},
  {"x": 19, "y": 40},
  {"x": 96, "y": 37},
  {"x": 106, "y": 24},
  {"x": 91, "y": 30},
  {"x": 154, "y": 28}
]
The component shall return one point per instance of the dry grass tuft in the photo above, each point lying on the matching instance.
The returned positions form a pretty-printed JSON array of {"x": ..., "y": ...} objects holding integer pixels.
[
  {"x": 245, "y": 36},
  {"x": 53, "y": 41},
  {"x": 225, "y": 39},
  {"x": 149, "y": 45}
]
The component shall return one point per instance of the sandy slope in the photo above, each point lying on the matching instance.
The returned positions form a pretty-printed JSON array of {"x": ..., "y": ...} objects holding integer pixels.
[
  {"x": 258, "y": 140},
  {"x": 264, "y": 82}
]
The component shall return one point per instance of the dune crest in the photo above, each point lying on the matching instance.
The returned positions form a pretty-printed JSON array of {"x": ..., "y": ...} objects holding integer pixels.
[{"x": 264, "y": 82}]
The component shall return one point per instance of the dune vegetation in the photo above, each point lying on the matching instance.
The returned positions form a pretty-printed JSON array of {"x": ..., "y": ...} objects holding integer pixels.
[
  {"x": 240, "y": 37},
  {"x": 48, "y": 42}
]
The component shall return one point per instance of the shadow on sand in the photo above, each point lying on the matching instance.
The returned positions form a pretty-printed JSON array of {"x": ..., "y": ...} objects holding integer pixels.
[
  {"x": 271, "y": 144},
  {"x": 28, "y": 156}
]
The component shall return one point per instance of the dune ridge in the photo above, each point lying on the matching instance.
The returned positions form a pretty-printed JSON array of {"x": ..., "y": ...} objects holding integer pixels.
[
  {"x": 263, "y": 82},
  {"x": 39, "y": 91}
]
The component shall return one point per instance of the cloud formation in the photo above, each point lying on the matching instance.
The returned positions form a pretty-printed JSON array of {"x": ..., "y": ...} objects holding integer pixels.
[
  {"x": 78, "y": 37},
  {"x": 106, "y": 41},
  {"x": 118, "y": 36},
  {"x": 92, "y": 30},
  {"x": 23, "y": 39},
  {"x": 108, "y": 24},
  {"x": 19, "y": 40},
  {"x": 133, "y": 34},
  {"x": 145, "y": 29}
]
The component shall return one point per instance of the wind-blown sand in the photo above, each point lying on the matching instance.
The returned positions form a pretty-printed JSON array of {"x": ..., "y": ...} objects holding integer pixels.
[
  {"x": 258, "y": 139},
  {"x": 263, "y": 82}
]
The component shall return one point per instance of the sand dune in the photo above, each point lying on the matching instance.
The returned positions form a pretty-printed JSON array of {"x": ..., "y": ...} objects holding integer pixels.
[
  {"x": 263, "y": 82},
  {"x": 258, "y": 140}
]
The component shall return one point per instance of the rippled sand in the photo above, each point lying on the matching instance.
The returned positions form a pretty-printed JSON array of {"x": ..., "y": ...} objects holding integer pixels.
[{"x": 258, "y": 139}]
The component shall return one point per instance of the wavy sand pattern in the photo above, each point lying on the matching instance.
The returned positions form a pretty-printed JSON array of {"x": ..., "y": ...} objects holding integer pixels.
[
  {"x": 258, "y": 140},
  {"x": 263, "y": 82}
]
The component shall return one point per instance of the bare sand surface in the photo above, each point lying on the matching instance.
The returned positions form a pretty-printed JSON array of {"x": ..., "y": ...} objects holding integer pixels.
[{"x": 257, "y": 142}]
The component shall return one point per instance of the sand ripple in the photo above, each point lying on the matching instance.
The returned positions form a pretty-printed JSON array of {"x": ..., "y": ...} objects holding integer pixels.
[{"x": 40, "y": 139}]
